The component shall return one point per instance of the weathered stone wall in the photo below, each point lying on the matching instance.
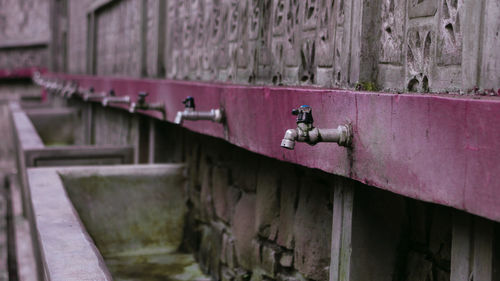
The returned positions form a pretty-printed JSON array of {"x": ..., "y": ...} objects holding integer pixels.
[
  {"x": 77, "y": 36},
  {"x": 401, "y": 45},
  {"x": 118, "y": 39},
  {"x": 255, "y": 218},
  {"x": 24, "y": 33},
  {"x": 24, "y": 21},
  {"x": 18, "y": 58},
  {"x": 406, "y": 45}
]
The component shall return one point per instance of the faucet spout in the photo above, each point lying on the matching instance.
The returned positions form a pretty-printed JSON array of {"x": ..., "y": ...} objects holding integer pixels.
[
  {"x": 179, "y": 117},
  {"x": 288, "y": 141}
]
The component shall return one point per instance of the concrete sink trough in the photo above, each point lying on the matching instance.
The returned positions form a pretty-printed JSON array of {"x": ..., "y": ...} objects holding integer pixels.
[
  {"x": 111, "y": 223},
  {"x": 52, "y": 137},
  {"x": 56, "y": 137},
  {"x": 58, "y": 126}
]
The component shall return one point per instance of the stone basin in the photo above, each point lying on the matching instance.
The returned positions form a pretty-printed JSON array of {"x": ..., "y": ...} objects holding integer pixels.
[
  {"x": 54, "y": 137},
  {"x": 111, "y": 223},
  {"x": 57, "y": 128}
]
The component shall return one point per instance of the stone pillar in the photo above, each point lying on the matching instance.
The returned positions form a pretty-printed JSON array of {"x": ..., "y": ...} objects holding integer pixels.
[
  {"x": 340, "y": 261},
  {"x": 473, "y": 248}
]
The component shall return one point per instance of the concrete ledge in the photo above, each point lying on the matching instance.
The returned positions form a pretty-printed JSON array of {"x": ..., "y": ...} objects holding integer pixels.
[
  {"x": 67, "y": 251},
  {"x": 26, "y": 133}
]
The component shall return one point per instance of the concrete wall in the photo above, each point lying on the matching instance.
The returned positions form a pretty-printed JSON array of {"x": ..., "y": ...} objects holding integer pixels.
[
  {"x": 77, "y": 36},
  {"x": 401, "y": 45}
]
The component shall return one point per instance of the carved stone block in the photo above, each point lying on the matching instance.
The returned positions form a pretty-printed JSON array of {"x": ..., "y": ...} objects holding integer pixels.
[
  {"x": 23, "y": 22},
  {"x": 450, "y": 35},
  {"x": 419, "y": 58},
  {"x": 392, "y": 34},
  {"x": 309, "y": 14},
  {"x": 422, "y": 8}
]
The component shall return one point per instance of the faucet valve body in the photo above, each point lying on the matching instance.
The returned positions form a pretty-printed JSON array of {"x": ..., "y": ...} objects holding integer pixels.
[
  {"x": 189, "y": 102},
  {"x": 304, "y": 114}
]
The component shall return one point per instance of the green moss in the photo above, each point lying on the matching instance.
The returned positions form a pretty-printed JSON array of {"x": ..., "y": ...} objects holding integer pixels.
[{"x": 366, "y": 86}]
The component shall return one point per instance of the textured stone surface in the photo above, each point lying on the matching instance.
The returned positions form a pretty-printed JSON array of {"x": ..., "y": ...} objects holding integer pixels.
[
  {"x": 267, "y": 208},
  {"x": 24, "y": 22},
  {"x": 288, "y": 205},
  {"x": 23, "y": 58},
  {"x": 268, "y": 262},
  {"x": 403, "y": 45},
  {"x": 210, "y": 250},
  {"x": 225, "y": 196},
  {"x": 243, "y": 230},
  {"x": 7, "y": 148},
  {"x": 113, "y": 127},
  {"x": 118, "y": 39},
  {"x": 78, "y": 35},
  {"x": 489, "y": 76},
  {"x": 24, "y": 33},
  {"x": 312, "y": 228},
  {"x": 309, "y": 42},
  {"x": 286, "y": 260}
]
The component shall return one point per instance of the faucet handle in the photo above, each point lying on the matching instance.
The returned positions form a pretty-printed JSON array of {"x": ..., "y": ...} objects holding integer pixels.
[
  {"x": 304, "y": 114},
  {"x": 112, "y": 93},
  {"x": 142, "y": 97},
  {"x": 189, "y": 102}
]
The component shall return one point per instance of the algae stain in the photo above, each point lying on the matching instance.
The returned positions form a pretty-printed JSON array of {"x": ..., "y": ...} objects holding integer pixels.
[
  {"x": 155, "y": 267},
  {"x": 57, "y": 144}
]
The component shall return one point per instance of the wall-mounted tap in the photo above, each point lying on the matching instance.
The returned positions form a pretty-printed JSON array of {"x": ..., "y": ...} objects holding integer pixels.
[
  {"x": 189, "y": 113},
  {"x": 52, "y": 86},
  {"x": 37, "y": 78},
  {"x": 112, "y": 98},
  {"x": 65, "y": 87},
  {"x": 70, "y": 89},
  {"x": 90, "y": 95},
  {"x": 141, "y": 104},
  {"x": 306, "y": 132}
]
